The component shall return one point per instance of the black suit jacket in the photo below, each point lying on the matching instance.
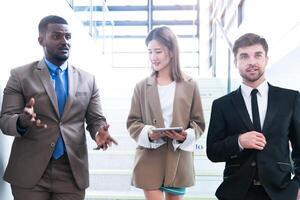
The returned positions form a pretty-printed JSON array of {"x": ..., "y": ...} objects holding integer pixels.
[{"x": 230, "y": 118}]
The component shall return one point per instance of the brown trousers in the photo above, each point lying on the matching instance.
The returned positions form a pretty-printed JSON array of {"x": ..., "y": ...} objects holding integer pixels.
[{"x": 57, "y": 183}]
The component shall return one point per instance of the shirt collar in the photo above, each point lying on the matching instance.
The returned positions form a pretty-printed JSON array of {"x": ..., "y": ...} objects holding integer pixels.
[
  {"x": 52, "y": 67},
  {"x": 263, "y": 89}
]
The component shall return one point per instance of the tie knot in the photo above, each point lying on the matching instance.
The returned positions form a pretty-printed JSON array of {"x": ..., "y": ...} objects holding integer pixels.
[
  {"x": 58, "y": 71},
  {"x": 254, "y": 92}
]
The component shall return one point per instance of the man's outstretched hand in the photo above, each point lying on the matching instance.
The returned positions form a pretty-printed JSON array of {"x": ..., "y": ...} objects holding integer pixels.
[
  {"x": 103, "y": 138},
  {"x": 28, "y": 117}
]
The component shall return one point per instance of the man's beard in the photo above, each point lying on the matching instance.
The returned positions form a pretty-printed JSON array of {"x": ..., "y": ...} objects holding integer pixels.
[
  {"x": 61, "y": 58},
  {"x": 252, "y": 78}
]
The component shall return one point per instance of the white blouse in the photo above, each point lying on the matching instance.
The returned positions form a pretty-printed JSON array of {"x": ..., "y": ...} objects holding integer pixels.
[{"x": 166, "y": 99}]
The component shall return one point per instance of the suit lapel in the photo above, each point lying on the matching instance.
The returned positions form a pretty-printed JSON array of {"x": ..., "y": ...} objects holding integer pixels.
[
  {"x": 183, "y": 90},
  {"x": 43, "y": 73},
  {"x": 153, "y": 98},
  {"x": 272, "y": 107},
  {"x": 72, "y": 86},
  {"x": 239, "y": 104}
]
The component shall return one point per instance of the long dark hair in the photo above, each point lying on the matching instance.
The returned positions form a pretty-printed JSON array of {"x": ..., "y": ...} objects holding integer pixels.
[{"x": 166, "y": 37}]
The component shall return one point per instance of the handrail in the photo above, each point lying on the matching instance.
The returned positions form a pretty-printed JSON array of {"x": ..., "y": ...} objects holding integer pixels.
[
  {"x": 224, "y": 33},
  {"x": 230, "y": 47},
  {"x": 71, "y": 3}
]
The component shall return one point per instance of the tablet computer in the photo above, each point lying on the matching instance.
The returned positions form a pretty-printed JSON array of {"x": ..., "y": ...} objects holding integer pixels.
[{"x": 177, "y": 129}]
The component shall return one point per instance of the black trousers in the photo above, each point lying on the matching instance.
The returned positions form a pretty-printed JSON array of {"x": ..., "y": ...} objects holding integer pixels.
[{"x": 257, "y": 192}]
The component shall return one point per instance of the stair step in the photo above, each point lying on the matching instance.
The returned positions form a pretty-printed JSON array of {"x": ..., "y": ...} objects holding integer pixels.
[
  {"x": 132, "y": 195},
  {"x": 110, "y": 171},
  {"x": 126, "y": 143},
  {"x": 122, "y": 160},
  {"x": 120, "y": 181},
  {"x": 125, "y": 172}
]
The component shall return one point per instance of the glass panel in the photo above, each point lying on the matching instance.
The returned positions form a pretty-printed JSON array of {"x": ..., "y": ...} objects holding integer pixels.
[
  {"x": 130, "y": 60},
  {"x": 189, "y": 59},
  {"x": 125, "y": 15},
  {"x": 127, "y": 2},
  {"x": 183, "y": 29},
  {"x": 88, "y": 2},
  {"x": 174, "y": 2},
  {"x": 132, "y": 52},
  {"x": 81, "y": 2},
  {"x": 175, "y": 15},
  {"x": 110, "y": 2},
  {"x": 130, "y": 30},
  {"x": 129, "y": 45},
  {"x": 188, "y": 44},
  {"x": 104, "y": 31},
  {"x": 114, "y": 15},
  {"x": 191, "y": 72}
]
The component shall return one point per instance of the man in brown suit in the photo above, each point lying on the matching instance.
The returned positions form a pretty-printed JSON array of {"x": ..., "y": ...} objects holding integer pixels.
[{"x": 45, "y": 106}]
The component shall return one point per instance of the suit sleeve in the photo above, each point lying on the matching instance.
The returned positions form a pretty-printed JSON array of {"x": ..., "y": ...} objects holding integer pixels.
[
  {"x": 134, "y": 120},
  {"x": 220, "y": 145},
  {"x": 196, "y": 117},
  {"x": 295, "y": 137},
  {"x": 94, "y": 115},
  {"x": 12, "y": 105}
]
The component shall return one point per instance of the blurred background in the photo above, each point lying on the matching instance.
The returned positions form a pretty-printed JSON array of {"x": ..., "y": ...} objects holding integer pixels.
[{"x": 108, "y": 41}]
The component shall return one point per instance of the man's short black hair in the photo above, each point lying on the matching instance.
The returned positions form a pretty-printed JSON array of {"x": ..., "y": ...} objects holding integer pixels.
[{"x": 51, "y": 19}]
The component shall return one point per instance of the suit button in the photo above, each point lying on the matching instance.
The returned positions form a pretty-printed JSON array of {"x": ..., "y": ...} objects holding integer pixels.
[
  {"x": 52, "y": 144},
  {"x": 253, "y": 164}
]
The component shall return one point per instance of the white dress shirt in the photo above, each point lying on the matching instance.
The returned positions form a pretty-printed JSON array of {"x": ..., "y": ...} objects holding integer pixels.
[{"x": 262, "y": 100}]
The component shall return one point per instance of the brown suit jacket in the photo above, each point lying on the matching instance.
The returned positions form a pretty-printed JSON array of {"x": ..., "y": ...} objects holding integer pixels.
[
  {"x": 31, "y": 152},
  {"x": 164, "y": 165}
]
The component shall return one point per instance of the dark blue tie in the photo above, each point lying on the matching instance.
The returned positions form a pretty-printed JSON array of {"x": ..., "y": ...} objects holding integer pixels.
[{"x": 61, "y": 100}]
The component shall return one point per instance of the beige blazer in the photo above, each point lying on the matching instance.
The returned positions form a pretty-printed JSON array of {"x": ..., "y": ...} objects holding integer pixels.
[
  {"x": 154, "y": 167},
  {"x": 31, "y": 153}
]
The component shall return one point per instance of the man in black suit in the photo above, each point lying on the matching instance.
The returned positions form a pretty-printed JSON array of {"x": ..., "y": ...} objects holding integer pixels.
[{"x": 250, "y": 131}]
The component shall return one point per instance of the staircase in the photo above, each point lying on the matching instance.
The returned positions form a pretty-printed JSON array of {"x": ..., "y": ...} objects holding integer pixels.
[{"x": 110, "y": 171}]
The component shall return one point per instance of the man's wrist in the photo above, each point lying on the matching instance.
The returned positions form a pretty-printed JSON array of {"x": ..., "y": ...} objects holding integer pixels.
[
  {"x": 21, "y": 130},
  {"x": 239, "y": 143},
  {"x": 23, "y": 121}
]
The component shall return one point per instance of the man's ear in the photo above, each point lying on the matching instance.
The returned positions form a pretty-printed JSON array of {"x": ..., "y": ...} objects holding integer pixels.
[
  {"x": 267, "y": 60},
  {"x": 41, "y": 40}
]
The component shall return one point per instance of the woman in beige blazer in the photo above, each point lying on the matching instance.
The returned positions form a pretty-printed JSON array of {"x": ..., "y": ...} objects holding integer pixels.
[{"x": 168, "y": 98}]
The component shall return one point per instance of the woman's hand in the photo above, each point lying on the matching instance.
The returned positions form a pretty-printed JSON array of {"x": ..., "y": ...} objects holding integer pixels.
[
  {"x": 155, "y": 135},
  {"x": 179, "y": 136}
]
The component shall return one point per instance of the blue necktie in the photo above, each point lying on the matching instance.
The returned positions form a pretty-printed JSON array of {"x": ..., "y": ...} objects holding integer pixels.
[{"x": 61, "y": 100}]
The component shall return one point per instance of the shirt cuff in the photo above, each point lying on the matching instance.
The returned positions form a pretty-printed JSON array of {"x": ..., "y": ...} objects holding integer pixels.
[
  {"x": 20, "y": 130},
  {"x": 143, "y": 139},
  {"x": 188, "y": 144},
  {"x": 240, "y": 146}
]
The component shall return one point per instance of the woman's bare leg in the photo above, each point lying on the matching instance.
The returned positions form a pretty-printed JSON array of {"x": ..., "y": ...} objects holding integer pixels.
[
  {"x": 173, "y": 197},
  {"x": 154, "y": 195}
]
